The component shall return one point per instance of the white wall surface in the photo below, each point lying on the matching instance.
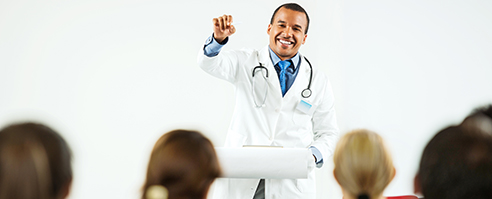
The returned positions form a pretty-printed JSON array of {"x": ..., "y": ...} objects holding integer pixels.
[{"x": 112, "y": 76}]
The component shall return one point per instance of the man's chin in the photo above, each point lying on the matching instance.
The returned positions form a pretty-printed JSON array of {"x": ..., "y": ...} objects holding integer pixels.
[
  {"x": 286, "y": 55},
  {"x": 284, "y": 50}
]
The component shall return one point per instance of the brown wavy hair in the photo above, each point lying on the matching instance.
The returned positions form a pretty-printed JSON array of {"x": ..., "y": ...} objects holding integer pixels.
[{"x": 185, "y": 163}]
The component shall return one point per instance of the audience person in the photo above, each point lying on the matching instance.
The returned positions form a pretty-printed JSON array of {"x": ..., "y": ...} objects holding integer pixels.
[
  {"x": 363, "y": 165},
  {"x": 35, "y": 163},
  {"x": 183, "y": 164},
  {"x": 480, "y": 119},
  {"x": 457, "y": 164}
]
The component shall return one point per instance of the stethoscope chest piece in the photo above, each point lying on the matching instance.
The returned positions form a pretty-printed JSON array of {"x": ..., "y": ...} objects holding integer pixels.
[{"x": 306, "y": 93}]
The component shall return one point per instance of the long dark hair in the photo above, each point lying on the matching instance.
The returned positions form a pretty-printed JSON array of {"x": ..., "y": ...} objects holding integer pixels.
[{"x": 35, "y": 163}]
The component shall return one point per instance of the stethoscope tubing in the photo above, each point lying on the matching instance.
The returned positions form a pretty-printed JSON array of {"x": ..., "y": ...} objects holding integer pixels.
[
  {"x": 306, "y": 93},
  {"x": 266, "y": 90},
  {"x": 308, "y": 89}
]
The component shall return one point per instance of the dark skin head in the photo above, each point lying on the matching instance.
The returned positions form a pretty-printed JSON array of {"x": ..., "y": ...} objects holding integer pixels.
[{"x": 287, "y": 32}]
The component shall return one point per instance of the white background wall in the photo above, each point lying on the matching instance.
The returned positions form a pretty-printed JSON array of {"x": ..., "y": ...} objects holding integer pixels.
[{"x": 112, "y": 76}]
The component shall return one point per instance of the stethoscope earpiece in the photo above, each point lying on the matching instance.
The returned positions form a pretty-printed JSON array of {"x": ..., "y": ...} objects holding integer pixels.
[{"x": 260, "y": 67}]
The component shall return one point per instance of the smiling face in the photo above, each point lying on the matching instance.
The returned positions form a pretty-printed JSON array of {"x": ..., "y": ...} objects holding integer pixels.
[{"x": 287, "y": 32}]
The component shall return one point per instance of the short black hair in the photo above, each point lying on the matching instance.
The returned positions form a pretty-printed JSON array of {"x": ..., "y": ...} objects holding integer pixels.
[
  {"x": 294, "y": 7},
  {"x": 484, "y": 110},
  {"x": 456, "y": 164},
  {"x": 480, "y": 118}
]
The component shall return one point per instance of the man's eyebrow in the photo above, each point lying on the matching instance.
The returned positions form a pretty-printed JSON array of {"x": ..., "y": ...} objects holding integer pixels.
[{"x": 297, "y": 25}]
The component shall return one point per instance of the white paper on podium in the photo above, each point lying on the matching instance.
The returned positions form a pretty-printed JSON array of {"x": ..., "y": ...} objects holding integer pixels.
[{"x": 265, "y": 162}]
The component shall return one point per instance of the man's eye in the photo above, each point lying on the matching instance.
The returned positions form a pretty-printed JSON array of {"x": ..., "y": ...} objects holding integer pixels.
[{"x": 281, "y": 25}]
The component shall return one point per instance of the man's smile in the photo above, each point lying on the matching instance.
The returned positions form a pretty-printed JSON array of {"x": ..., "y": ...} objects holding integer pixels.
[{"x": 285, "y": 42}]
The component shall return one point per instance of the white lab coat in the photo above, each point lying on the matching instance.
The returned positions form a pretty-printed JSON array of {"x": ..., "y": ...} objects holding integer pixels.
[{"x": 278, "y": 123}]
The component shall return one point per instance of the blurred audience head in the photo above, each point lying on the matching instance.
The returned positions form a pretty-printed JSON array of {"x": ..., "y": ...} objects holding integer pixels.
[
  {"x": 35, "y": 163},
  {"x": 363, "y": 165},
  {"x": 457, "y": 164},
  {"x": 183, "y": 164},
  {"x": 480, "y": 119}
]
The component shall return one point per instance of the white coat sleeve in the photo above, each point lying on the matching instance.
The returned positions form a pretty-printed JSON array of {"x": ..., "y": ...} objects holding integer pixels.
[
  {"x": 225, "y": 64},
  {"x": 325, "y": 128}
]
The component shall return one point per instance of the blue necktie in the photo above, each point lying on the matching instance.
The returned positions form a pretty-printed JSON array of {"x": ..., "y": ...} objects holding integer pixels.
[{"x": 283, "y": 77}]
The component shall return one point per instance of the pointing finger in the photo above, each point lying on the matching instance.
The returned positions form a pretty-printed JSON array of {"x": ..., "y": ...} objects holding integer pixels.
[
  {"x": 215, "y": 22},
  {"x": 230, "y": 19},
  {"x": 224, "y": 23}
]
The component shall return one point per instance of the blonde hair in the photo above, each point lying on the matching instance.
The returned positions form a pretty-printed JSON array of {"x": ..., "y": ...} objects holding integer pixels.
[{"x": 363, "y": 165}]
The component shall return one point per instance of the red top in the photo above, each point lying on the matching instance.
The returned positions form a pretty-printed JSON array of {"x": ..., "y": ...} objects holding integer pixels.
[{"x": 402, "y": 197}]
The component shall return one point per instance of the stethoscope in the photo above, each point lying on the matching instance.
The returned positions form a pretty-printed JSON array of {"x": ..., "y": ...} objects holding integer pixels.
[{"x": 305, "y": 93}]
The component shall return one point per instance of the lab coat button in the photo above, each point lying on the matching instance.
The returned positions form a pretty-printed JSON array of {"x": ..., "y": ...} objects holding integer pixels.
[{"x": 277, "y": 110}]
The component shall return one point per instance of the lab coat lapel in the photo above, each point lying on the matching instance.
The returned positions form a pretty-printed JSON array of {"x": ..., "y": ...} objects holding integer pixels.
[
  {"x": 273, "y": 81},
  {"x": 301, "y": 81}
]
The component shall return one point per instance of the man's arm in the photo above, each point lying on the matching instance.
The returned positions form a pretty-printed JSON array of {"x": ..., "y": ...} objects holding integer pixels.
[
  {"x": 212, "y": 47},
  {"x": 325, "y": 128},
  {"x": 223, "y": 28},
  {"x": 220, "y": 64}
]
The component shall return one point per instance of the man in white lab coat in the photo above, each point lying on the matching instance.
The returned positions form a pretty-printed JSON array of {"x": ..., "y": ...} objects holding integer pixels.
[{"x": 270, "y": 109}]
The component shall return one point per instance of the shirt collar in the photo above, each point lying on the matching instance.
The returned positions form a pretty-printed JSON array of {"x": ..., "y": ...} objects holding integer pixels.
[{"x": 275, "y": 59}]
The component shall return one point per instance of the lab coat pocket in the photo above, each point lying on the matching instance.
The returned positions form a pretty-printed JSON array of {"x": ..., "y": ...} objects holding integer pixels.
[
  {"x": 303, "y": 112},
  {"x": 300, "y": 118}
]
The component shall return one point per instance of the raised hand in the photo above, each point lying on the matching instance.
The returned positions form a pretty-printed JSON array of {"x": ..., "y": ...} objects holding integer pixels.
[{"x": 223, "y": 27}]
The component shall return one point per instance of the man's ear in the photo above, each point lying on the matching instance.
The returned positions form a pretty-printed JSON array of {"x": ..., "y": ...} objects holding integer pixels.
[
  {"x": 304, "y": 39},
  {"x": 416, "y": 185},
  {"x": 269, "y": 29}
]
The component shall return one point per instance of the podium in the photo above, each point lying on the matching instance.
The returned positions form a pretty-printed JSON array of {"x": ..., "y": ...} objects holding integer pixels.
[{"x": 257, "y": 162}]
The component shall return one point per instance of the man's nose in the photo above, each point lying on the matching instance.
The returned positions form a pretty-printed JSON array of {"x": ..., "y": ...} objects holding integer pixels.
[{"x": 288, "y": 32}]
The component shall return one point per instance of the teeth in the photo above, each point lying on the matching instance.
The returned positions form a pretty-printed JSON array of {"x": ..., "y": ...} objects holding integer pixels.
[{"x": 285, "y": 42}]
